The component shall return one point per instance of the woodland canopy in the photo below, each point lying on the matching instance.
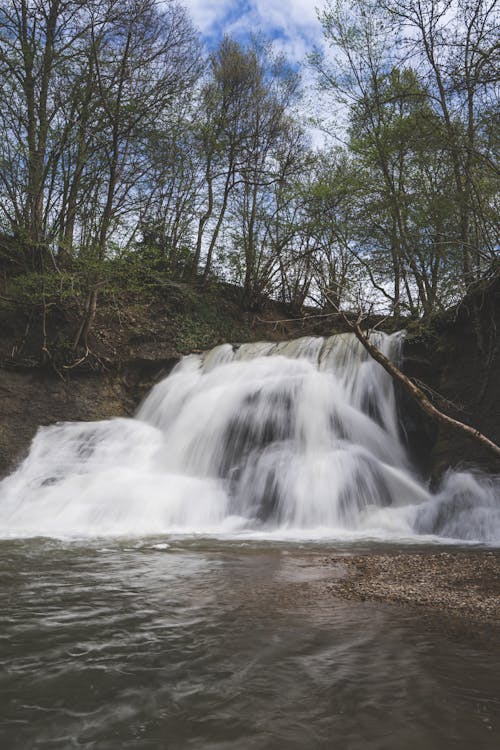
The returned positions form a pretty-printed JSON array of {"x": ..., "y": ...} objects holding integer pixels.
[{"x": 129, "y": 155}]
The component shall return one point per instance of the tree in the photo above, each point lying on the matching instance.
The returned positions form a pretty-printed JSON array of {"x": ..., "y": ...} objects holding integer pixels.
[
  {"x": 170, "y": 194},
  {"x": 417, "y": 139},
  {"x": 83, "y": 86},
  {"x": 271, "y": 156},
  {"x": 221, "y": 137},
  {"x": 37, "y": 43},
  {"x": 455, "y": 43},
  {"x": 331, "y": 212},
  {"x": 408, "y": 205}
]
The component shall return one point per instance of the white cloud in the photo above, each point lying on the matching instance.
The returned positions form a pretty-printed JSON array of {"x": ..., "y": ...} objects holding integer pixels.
[
  {"x": 207, "y": 15},
  {"x": 292, "y": 24},
  {"x": 292, "y": 14}
]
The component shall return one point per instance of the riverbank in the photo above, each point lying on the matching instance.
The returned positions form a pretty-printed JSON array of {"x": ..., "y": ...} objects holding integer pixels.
[
  {"x": 135, "y": 342},
  {"x": 463, "y": 585}
]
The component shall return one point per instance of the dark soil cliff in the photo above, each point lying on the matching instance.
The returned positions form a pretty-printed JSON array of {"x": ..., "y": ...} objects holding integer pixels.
[
  {"x": 458, "y": 358},
  {"x": 135, "y": 342},
  {"x": 133, "y": 347}
]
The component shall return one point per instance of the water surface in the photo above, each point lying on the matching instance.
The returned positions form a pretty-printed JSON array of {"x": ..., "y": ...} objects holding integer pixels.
[{"x": 189, "y": 643}]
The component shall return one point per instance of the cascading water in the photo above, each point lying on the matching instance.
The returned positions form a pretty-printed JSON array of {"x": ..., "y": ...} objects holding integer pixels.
[{"x": 297, "y": 438}]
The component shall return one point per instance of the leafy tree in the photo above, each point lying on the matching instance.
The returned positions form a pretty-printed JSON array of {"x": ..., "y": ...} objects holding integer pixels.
[{"x": 416, "y": 136}]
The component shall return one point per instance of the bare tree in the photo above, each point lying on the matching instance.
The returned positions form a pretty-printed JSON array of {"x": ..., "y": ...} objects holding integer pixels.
[
  {"x": 143, "y": 58},
  {"x": 38, "y": 43}
]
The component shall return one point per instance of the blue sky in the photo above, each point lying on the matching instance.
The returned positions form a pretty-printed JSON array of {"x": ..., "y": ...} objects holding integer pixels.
[
  {"x": 292, "y": 24},
  {"x": 293, "y": 27}
]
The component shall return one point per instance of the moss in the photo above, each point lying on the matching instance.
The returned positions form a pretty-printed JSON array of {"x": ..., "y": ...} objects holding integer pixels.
[{"x": 420, "y": 330}]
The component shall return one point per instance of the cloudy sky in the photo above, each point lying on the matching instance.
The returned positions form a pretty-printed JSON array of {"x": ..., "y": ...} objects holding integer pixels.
[{"x": 292, "y": 24}]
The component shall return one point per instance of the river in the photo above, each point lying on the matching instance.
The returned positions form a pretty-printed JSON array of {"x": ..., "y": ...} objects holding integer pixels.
[
  {"x": 186, "y": 608},
  {"x": 185, "y": 642}
]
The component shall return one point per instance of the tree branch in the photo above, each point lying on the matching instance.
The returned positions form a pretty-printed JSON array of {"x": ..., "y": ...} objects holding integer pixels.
[{"x": 417, "y": 394}]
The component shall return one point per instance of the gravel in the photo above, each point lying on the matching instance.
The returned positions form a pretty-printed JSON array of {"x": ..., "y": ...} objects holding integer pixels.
[{"x": 464, "y": 584}]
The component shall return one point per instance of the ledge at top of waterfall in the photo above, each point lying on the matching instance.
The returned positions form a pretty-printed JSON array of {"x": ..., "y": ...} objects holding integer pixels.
[{"x": 297, "y": 439}]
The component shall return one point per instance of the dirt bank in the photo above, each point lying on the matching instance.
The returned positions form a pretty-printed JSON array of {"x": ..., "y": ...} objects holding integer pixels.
[
  {"x": 32, "y": 397},
  {"x": 460, "y": 367},
  {"x": 136, "y": 342}
]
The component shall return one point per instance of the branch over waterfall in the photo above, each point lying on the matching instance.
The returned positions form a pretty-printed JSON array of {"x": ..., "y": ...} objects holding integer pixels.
[{"x": 416, "y": 393}]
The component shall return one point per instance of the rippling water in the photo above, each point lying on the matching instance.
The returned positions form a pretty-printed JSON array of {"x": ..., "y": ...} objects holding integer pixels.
[{"x": 197, "y": 644}]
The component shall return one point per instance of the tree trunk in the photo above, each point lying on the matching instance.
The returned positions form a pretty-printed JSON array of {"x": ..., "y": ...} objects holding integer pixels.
[{"x": 87, "y": 320}]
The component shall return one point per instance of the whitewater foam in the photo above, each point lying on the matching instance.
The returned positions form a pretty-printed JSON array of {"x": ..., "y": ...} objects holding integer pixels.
[{"x": 297, "y": 438}]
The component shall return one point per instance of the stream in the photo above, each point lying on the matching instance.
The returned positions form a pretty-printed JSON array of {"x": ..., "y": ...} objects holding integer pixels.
[
  {"x": 185, "y": 642},
  {"x": 164, "y": 580}
]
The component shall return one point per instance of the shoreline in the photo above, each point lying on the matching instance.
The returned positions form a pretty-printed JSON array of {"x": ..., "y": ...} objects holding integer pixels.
[{"x": 463, "y": 586}]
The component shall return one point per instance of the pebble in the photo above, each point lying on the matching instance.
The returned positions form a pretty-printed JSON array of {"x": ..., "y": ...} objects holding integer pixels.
[{"x": 466, "y": 583}]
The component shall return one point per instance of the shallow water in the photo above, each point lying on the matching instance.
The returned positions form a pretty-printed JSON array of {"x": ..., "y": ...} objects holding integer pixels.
[{"x": 192, "y": 643}]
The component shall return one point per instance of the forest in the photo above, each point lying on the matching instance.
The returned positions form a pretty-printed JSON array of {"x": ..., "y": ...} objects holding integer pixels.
[
  {"x": 249, "y": 375},
  {"x": 131, "y": 157}
]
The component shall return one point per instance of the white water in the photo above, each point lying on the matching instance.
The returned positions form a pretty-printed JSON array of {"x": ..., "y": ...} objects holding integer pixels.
[{"x": 297, "y": 439}]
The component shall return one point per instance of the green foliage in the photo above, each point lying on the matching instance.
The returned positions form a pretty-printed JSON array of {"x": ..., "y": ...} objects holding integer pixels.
[{"x": 33, "y": 289}]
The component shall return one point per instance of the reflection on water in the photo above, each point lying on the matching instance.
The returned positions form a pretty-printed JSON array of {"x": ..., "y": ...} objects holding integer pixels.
[{"x": 169, "y": 644}]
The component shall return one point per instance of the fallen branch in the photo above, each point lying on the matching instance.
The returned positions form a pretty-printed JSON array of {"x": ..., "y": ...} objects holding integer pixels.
[
  {"x": 302, "y": 318},
  {"x": 438, "y": 397},
  {"x": 417, "y": 394}
]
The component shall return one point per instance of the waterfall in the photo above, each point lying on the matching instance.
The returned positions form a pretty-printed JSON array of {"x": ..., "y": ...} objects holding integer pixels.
[{"x": 297, "y": 438}]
